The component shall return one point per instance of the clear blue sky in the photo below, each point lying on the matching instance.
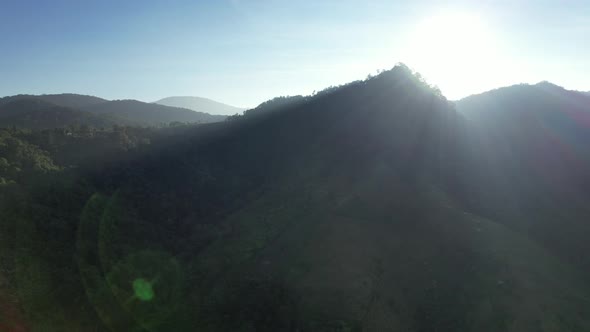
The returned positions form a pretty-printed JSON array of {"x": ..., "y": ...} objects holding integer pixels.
[{"x": 244, "y": 52}]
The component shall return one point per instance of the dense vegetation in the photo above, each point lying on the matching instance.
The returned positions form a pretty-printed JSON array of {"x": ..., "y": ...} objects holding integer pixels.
[
  {"x": 373, "y": 206},
  {"x": 63, "y": 110}
]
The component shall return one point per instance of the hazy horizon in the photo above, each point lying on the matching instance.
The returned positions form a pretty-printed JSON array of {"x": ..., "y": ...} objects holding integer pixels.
[{"x": 243, "y": 53}]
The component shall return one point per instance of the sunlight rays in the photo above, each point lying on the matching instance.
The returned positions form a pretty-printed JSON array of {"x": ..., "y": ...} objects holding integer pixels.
[{"x": 457, "y": 51}]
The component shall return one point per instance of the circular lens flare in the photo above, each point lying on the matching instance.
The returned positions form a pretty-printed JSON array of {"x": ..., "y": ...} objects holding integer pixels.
[{"x": 143, "y": 289}]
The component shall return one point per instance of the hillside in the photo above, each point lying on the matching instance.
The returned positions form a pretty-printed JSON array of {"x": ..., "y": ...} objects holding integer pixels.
[
  {"x": 374, "y": 206},
  {"x": 140, "y": 113},
  {"x": 38, "y": 114},
  {"x": 530, "y": 155},
  {"x": 63, "y": 110},
  {"x": 522, "y": 99},
  {"x": 542, "y": 125},
  {"x": 200, "y": 104},
  {"x": 69, "y": 100}
]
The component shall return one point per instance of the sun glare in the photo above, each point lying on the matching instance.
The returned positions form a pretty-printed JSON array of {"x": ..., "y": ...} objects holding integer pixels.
[{"x": 456, "y": 51}]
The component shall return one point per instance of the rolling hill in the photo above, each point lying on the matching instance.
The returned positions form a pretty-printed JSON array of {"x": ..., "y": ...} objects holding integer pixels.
[
  {"x": 61, "y": 110},
  {"x": 533, "y": 162},
  {"x": 70, "y": 100},
  {"x": 38, "y": 114},
  {"x": 140, "y": 113},
  {"x": 200, "y": 104},
  {"x": 544, "y": 126},
  {"x": 371, "y": 216},
  {"x": 374, "y": 206}
]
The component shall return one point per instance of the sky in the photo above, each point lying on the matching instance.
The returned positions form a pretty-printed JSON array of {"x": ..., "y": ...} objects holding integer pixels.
[{"x": 245, "y": 52}]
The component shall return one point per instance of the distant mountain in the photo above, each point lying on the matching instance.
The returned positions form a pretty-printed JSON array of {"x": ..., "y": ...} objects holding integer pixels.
[
  {"x": 59, "y": 110},
  {"x": 528, "y": 105},
  {"x": 34, "y": 113},
  {"x": 140, "y": 113},
  {"x": 65, "y": 99},
  {"x": 200, "y": 104}
]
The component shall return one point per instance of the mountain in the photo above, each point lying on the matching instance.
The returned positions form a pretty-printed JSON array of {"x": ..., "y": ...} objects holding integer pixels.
[
  {"x": 140, "y": 113},
  {"x": 373, "y": 206},
  {"x": 533, "y": 161},
  {"x": 542, "y": 124},
  {"x": 70, "y": 100},
  {"x": 35, "y": 113},
  {"x": 200, "y": 104},
  {"x": 524, "y": 98},
  {"x": 51, "y": 111}
]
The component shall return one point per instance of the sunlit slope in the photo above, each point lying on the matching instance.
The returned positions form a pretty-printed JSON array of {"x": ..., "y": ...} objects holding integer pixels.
[{"x": 530, "y": 163}]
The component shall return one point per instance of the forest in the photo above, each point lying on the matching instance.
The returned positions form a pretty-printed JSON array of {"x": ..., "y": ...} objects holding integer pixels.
[{"x": 377, "y": 205}]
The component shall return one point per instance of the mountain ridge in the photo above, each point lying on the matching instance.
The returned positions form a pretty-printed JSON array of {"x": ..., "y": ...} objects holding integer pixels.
[
  {"x": 142, "y": 113},
  {"x": 39, "y": 114},
  {"x": 358, "y": 216},
  {"x": 200, "y": 104},
  {"x": 71, "y": 100},
  {"x": 98, "y": 112},
  {"x": 372, "y": 206}
]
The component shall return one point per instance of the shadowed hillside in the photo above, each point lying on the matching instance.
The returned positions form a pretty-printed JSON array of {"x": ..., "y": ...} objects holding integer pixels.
[
  {"x": 373, "y": 206},
  {"x": 63, "y": 110},
  {"x": 531, "y": 163},
  {"x": 140, "y": 113},
  {"x": 38, "y": 114}
]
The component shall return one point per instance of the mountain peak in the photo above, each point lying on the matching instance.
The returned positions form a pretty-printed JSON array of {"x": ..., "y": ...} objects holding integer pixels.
[{"x": 549, "y": 85}]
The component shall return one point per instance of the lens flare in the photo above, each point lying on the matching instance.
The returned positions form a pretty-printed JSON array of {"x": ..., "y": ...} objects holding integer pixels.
[{"x": 143, "y": 289}]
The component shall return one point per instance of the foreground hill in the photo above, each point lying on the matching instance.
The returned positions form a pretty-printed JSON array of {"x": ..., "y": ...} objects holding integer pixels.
[
  {"x": 361, "y": 208},
  {"x": 200, "y": 104}
]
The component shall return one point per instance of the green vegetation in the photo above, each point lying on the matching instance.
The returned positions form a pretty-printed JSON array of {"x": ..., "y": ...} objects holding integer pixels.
[
  {"x": 20, "y": 158},
  {"x": 372, "y": 206},
  {"x": 70, "y": 110}
]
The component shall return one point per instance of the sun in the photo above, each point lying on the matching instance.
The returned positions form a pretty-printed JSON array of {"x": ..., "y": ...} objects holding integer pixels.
[{"x": 455, "y": 50}]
